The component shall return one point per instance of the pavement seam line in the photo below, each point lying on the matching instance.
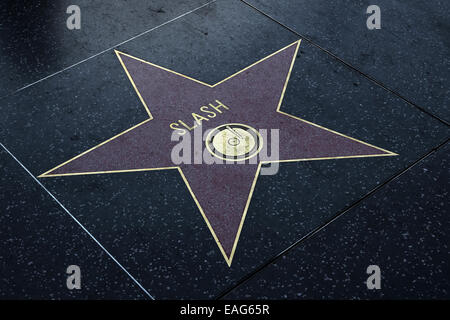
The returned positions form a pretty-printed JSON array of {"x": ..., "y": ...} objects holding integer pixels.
[
  {"x": 316, "y": 230},
  {"x": 79, "y": 223},
  {"x": 108, "y": 49},
  {"x": 349, "y": 65}
]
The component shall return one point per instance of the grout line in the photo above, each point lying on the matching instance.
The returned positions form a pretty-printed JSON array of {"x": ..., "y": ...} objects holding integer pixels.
[
  {"x": 79, "y": 223},
  {"x": 377, "y": 82},
  {"x": 316, "y": 230},
  {"x": 108, "y": 49}
]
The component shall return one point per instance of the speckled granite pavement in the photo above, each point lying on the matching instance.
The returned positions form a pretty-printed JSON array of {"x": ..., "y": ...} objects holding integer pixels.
[
  {"x": 310, "y": 231},
  {"x": 402, "y": 228}
]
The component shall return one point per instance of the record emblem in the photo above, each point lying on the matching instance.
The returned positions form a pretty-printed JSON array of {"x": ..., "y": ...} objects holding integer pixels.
[{"x": 234, "y": 142}]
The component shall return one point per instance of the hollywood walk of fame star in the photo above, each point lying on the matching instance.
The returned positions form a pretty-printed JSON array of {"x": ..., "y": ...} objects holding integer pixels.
[{"x": 239, "y": 106}]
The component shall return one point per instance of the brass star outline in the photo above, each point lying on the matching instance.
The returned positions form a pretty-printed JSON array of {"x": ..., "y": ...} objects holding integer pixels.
[{"x": 228, "y": 259}]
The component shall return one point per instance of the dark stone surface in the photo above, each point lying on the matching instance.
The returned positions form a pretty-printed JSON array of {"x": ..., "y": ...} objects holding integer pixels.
[
  {"x": 35, "y": 41},
  {"x": 410, "y": 53},
  {"x": 403, "y": 228},
  {"x": 148, "y": 220},
  {"x": 38, "y": 241}
]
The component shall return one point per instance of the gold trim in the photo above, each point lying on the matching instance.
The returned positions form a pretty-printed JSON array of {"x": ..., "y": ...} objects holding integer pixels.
[
  {"x": 230, "y": 258},
  {"x": 134, "y": 85},
  {"x": 201, "y": 82},
  {"x": 45, "y": 174},
  {"x": 227, "y": 259}
]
